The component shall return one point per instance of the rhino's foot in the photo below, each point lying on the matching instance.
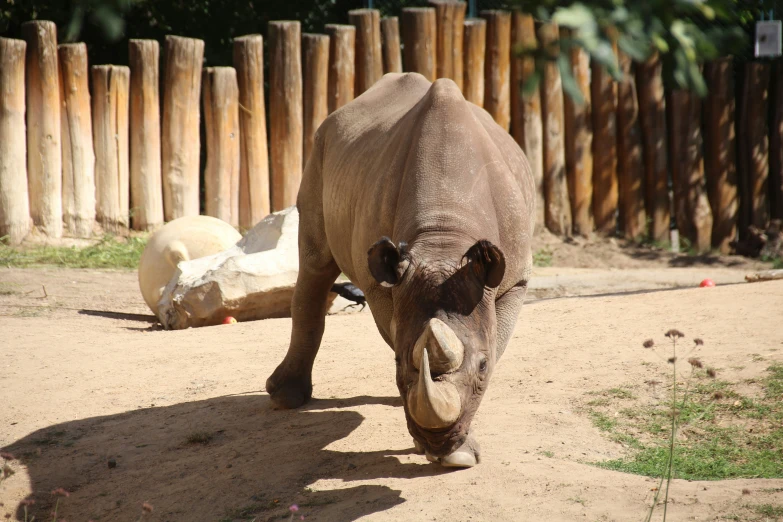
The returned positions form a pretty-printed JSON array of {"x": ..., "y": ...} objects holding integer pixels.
[
  {"x": 466, "y": 456},
  {"x": 418, "y": 449},
  {"x": 288, "y": 391}
]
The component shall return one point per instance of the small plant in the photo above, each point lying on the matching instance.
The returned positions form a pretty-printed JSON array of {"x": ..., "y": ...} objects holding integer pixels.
[
  {"x": 543, "y": 257},
  {"x": 200, "y": 437}
]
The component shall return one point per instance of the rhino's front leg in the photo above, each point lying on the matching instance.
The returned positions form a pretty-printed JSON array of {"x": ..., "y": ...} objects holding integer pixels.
[{"x": 290, "y": 385}]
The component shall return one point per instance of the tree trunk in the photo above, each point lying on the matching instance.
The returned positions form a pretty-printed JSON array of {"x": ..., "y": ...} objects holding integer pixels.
[
  {"x": 473, "y": 52},
  {"x": 603, "y": 91},
  {"x": 419, "y": 36},
  {"x": 557, "y": 213},
  {"x": 110, "y": 104},
  {"x": 181, "y": 138},
  {"x": 285, "y": 102},
  {"x": 14, "y": 203},
  {"x": 652, "y": 116},
  {"x": 578, "y": 144},
  {"x": 78, "y": 158},
  {"x": 44, "y": 153},
  {"x": 720, "y": 152},
  {"x": 692, "y": 209},
  {"x": 369, "y": 58},
  {"x": 392, "y": 52},
  {"x": 497, "y": 67},
  {"x": 342, "y": 39},
  {"x": 526, "y": 126},
  {"x": 145, "y": 175},
  {"x": 450, "y": 17},
  {"x": 221, "y": 119},
  {"x": 629, "y": 155},
  {"x": 315, "y": 49}
]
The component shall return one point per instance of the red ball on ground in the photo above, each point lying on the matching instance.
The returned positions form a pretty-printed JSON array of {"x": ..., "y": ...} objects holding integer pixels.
[
  {"x": 229, "y": 320},
  {"x": 707, "y": 283}
]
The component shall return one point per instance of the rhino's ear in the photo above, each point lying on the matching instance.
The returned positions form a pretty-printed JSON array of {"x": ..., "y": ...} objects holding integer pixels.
[
  {"x": 488, "y": 262},
  {"x": 387, "y": 261}
]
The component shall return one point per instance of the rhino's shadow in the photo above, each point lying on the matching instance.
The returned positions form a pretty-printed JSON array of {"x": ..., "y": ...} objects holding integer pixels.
[{"x": 226, "y": 458}]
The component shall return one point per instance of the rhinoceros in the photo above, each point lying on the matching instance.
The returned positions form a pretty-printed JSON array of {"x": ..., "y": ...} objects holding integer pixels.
[{"x": 426, "y": 205}]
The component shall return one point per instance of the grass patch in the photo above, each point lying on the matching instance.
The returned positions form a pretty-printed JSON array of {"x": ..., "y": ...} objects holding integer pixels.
[
  {"x": 722, "y": 435},
  {"x": 542, "y": 258},
  {"x": 547, "y": 454},
  {"x": 768, "y": 510},
  {"x": 109, "y": 252},
  {"x": 200, "y": 437}
]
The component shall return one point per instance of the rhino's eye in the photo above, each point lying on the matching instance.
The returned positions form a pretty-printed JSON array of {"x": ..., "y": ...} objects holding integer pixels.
[{"x": 483, "y": 365}]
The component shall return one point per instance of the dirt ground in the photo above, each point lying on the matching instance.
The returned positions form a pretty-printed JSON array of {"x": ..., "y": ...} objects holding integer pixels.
[{"x": 87, "y": 381}]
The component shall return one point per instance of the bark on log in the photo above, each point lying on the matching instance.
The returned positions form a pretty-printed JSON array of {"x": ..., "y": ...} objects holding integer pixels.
[
  {"x": 392, "y": 52},
  {"x": 221, "y": 120},
  {"x": 369, "y": 58},
  {"x": 720, "y": 152},
  {"x": 254, "y": 203},
  {"x": 692, "y": 209},
  {"x": 181, "y": 138},
  {"x": 605, "y": 192},
  {"x": 473, "y": 53},
  {"x": 419, "y": 36},
  {"x": 285, "y": 102},
  {"x": 652, "y": 116},
  {"x": 497, "y": 67},
  {"x": 526, "y": 126},
  {"x": 450, "y": 16},
  {"x": 110, "y": 106},
  {"x": 754, "y": 147},
  {"x": 44, "y": 153},
  {"x": 630, "y": 169},
  {"x": 342, "y": 41},
  {"x": 78, "y": 158},
  {"x": 579, "y": 144},
  {"x": 315, "y": 49},
  {"x": 557, "y": 214},
  {"x": 146, "y": 184},
  {"x": 776, "y": 146},
  {"x": 14, "y": 204}
]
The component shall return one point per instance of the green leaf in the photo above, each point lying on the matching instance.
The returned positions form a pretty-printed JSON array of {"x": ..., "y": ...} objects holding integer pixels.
[
  {"x": 575, "y": 17},
  {"x": 570, "y": 87},
  {"x": 531, "y": 84}
]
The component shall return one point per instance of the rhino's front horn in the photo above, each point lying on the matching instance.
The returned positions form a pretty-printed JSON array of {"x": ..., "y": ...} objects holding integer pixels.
[
  {"x": 433, "y": 405},
  {"x": 445, "y": 349}
]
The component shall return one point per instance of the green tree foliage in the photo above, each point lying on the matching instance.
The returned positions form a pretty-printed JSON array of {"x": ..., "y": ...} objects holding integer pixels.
[{"x": 685, "y": 34}]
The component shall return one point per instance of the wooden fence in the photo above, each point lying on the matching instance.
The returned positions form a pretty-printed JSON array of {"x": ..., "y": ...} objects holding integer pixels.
[{"x": 85, "y": 149}]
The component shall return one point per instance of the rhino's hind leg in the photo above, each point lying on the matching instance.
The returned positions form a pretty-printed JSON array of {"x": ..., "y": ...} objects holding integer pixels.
[{"x": 290, "y": 385}]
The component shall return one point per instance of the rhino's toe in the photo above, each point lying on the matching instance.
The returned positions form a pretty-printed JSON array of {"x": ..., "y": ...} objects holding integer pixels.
[{"x": 466, "y": 456}]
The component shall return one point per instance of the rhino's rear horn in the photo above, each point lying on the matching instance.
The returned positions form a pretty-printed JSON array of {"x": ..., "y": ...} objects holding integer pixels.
[
  {"x": 488, "y": 262},
  {"x": 387, "y": 262}
]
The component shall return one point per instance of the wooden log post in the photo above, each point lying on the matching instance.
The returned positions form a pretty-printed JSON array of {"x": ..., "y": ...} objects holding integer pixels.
[
  {"x": 78, "y": 158},
  {"x": 419, "y": 37},
  {"x": 110, "y": 106},
  {"x": 497, "y": 67},
  {"x": 557, "y": 208},
  {"x": 474, "y": 47},
  {"x": 579, "y": 144},
  {"x": 146, "y": 188},
  {"x": 652, "y": 116},
  {"x": 630, "y": 167},
  {"x": 221, "y": 120},
  {"x": 720, "y": 152},
  {"x": 254, "y": 203},
  {"x": 342, "y": 41},
  {"x": 450, "y": 16},
  {"x": 44, "y": 152},
  {"x": 285, "y": 104},
  {"x": 390, "y": 39},
  {"x": 14, "y": 204},
  {"x": 776, "y": 146},
  {"x": 603, "y": 91},
  {"x": 526, "y": 126},
  {"x": 692, "y": 209},
  {"x": 754, "y": 147},
  {"x": 315, "y": 49},
  {"x": 180, "y": 132},
  {"x": 369, "y": 58}
]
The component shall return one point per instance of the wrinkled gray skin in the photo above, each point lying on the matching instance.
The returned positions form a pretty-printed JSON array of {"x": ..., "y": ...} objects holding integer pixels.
[{"x": 413, "y": 161}]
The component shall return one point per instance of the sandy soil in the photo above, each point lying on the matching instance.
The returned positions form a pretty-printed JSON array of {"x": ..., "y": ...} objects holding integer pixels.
[{"x": 87, "y": 379}]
